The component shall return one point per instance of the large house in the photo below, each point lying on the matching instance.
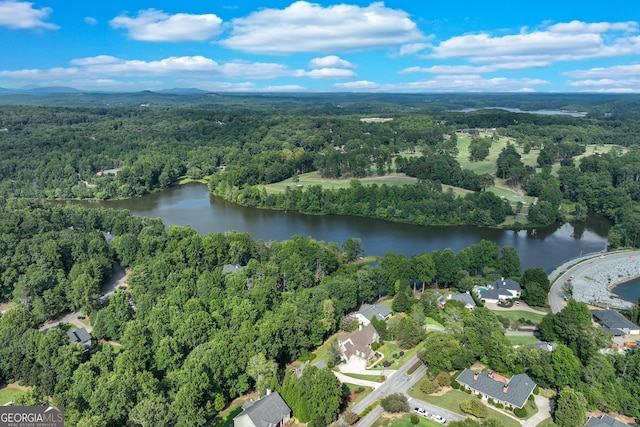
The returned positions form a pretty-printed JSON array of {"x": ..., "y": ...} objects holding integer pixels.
[
  {"x": 615, "y": 323},
  {"x": 500, "y": 290},
  {"x": 369, "y": 311},
  {"x": 356, "y": 346},
  {"x": 464, "y": 297},
  {"x": 604, "y": 421},
  {"x": 512, "y": 392},
  {"x": 269, "y": 411},
  {"x": 82, "y": 337}
]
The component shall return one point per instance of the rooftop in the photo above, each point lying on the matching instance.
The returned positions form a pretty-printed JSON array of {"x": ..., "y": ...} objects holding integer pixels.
[{"x": 518, "y": 388}]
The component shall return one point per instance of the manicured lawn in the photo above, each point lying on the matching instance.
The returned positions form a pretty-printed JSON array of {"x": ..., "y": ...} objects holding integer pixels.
[
  {"x": 391, "y": 348},
  {"x": 517, "y": 340},
  {"x": 374, "y": 378},
  {"x": 9, "y": 395},
  {"x": 451, "y": 401},
  {"x": 322, "y": 351},
  {"x": 225, "y": 417},
  {"x": 66, "y": 327},
  {"x": 514, "y": 315},
  {"x": 405, "y": 421},
  {"x": 547, "y": 423},
  {"x": 431, "y": 321},
  {"x": 312, "y": 178}
]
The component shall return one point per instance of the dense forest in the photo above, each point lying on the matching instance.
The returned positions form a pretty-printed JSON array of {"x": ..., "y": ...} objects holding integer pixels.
[{"x": 185, "y": 338}]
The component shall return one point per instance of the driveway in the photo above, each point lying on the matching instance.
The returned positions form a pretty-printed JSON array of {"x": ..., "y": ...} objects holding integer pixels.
[{"x": 544, "y": 412}]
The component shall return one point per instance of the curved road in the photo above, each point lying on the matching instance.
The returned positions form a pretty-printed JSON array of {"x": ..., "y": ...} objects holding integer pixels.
[{"x": 562, "y": 274}]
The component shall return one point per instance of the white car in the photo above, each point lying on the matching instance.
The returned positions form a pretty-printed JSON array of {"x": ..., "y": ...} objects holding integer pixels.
[
  {"x": 438, "y": 418},
  {"x": 420, "y": 411}
]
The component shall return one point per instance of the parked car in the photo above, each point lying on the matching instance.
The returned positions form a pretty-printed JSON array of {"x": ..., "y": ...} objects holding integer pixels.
[
  {"x": 437, "y": 418},
  {"x": 420, "y": 411}
]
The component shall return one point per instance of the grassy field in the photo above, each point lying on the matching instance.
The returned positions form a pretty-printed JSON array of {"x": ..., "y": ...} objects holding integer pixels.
[
  {"x": 516, "y": 315},
  {"x": 374, "y": 378},
  {"x": 519, "y": 340},
  {"x": 312, "y": 178},
  {"x": 387, "y": 420},
  {"x": 451, "y": 401},
  {"x": 9, "y": 395},
  {"x": 354, "y": 392},
  {"x": 323, "y": 350}
]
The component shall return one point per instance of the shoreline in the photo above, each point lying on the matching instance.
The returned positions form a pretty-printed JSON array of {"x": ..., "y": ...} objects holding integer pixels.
[{"x": 594, "y": 283}]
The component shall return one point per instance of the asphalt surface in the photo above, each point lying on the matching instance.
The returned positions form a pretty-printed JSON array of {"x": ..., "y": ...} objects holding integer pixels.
[
  {"x": 575, "y": 268},
  {"x": 400, "y": 382}
]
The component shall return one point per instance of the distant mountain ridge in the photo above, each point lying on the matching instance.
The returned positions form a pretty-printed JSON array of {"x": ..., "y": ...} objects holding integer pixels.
[{"x": 45, "y": 90}]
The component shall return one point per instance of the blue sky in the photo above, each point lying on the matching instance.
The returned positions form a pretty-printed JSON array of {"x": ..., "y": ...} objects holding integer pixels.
[{"x": 298, "y": 46}]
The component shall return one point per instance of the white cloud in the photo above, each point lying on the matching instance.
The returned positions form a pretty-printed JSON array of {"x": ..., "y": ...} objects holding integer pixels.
[
  {"x": 330, "y": 73},
  {"x": 458, "y": 83},
  {"x": 560, "y": 42},
  {"x": 579, "y": 27},
  {"x": 21, "y": 15},
  {"x": 616, "y": 71},
  {"x": 155, "y": 25},
  {"x": 89, "y": 20},
  {"x": 411, "y": 48},
  {"x": 474, "y": 69},
  {"x": 310, "y": 27},
  {"x": 631, "y": 85},
  {"x": 331, "y": 61}
]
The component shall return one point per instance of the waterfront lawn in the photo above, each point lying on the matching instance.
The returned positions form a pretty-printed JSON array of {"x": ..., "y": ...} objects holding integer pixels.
[
  {"x": 519, "y": 340},
  {"x": 451, "y": 401},
  {"x": 9, "y": 395},
  {"x": 387, "y": 421},
  {"x": 312, "y": 178}
]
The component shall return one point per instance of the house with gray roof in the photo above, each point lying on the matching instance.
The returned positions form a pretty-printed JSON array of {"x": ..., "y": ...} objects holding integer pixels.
[
  {"x": 604, "y": 421},
  {"x": 512, "y": 392},
  {"x": 231, "y": 268},
  {"x": 356, "y": 346},
  {"x": 82, "y": 337},
  {"x": 615, "y": 323},
  {"x": 369, "y": 311},
  {"x": 269, "y": 411},
  {"x": 500, "y": 290}
]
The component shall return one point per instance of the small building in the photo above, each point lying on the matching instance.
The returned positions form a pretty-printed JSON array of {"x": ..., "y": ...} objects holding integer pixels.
[
  {"x": 82, "y": 337},
  {"x": 269, "y": 411},
  {"x": 615, "y": 323},
  {"x": 500, "y": 290},
  {"x": 464, "y": 297},
  {"x": 231, "y": 268},
  {"x": 369, "y": 311},
  {"x": 604, "y": 421},
  {"x": 356, "y": 346},
  {"x": 319, "y": 365},
  {"x": 512, "y": 392},
  {"x": 546, "y": 346}
]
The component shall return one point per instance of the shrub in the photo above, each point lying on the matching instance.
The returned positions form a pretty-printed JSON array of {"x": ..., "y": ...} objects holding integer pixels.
[
  {"x": 474, "y": 407},
  {"x": 490, "y": 401},
  {"x": 375, "y": 345},
  {"x": 350, "y": 417},
  {"x": 536, "y": 390},
  {"x": 396, "y": 402},
  {"x": 499, "y": 405},
  {"x": 455, "y": 384},
  {"x": 386, "y": 364},
  {"x": 401, "y": 353},
  {"x": 394, "y": 355},
  {"x": 359, "y": 390},
  {"x": 306, "y": 357},
  {"x": 443, "y": 379},
  {"x": 428, "y": 386},
  {"x": 479, "y": 396},
  {"x": 530, "y": 398},
  {"x": 520, "y": 412},
  {"x": 414, "y": 367},
  {"x": 414, "y": 419},
  {"x": 467, "y": 391},
  {"x": 369, "y": 409}
]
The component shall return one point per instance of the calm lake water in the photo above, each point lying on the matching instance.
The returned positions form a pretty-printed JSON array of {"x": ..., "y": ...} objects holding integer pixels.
[
  {"x": 517, "y": 110},
  {"x": 193, "y": 205},
  {"x": 628, "y": 291}
]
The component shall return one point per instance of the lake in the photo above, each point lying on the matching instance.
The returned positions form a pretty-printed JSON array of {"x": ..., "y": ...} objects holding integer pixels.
[
  {"x": 517, "y": 110},
  {"x": 193, "y": 205},
  {"x": 628, "y": 291}
]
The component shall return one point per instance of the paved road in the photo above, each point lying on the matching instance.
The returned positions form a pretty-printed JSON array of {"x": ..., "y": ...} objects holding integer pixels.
[
  {"x": 574, "y": 268},
  {"x": 118, "y": 279},
  {"x": 400, "y": 382}
]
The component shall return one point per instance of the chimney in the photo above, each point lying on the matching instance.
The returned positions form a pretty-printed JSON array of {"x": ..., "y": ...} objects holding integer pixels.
[
  {"x": 475, "y": 376},
  {"x": 490, "y": 374},
  {"x": 505, "y": 388},
  {"x": 268, "y": 391}
]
